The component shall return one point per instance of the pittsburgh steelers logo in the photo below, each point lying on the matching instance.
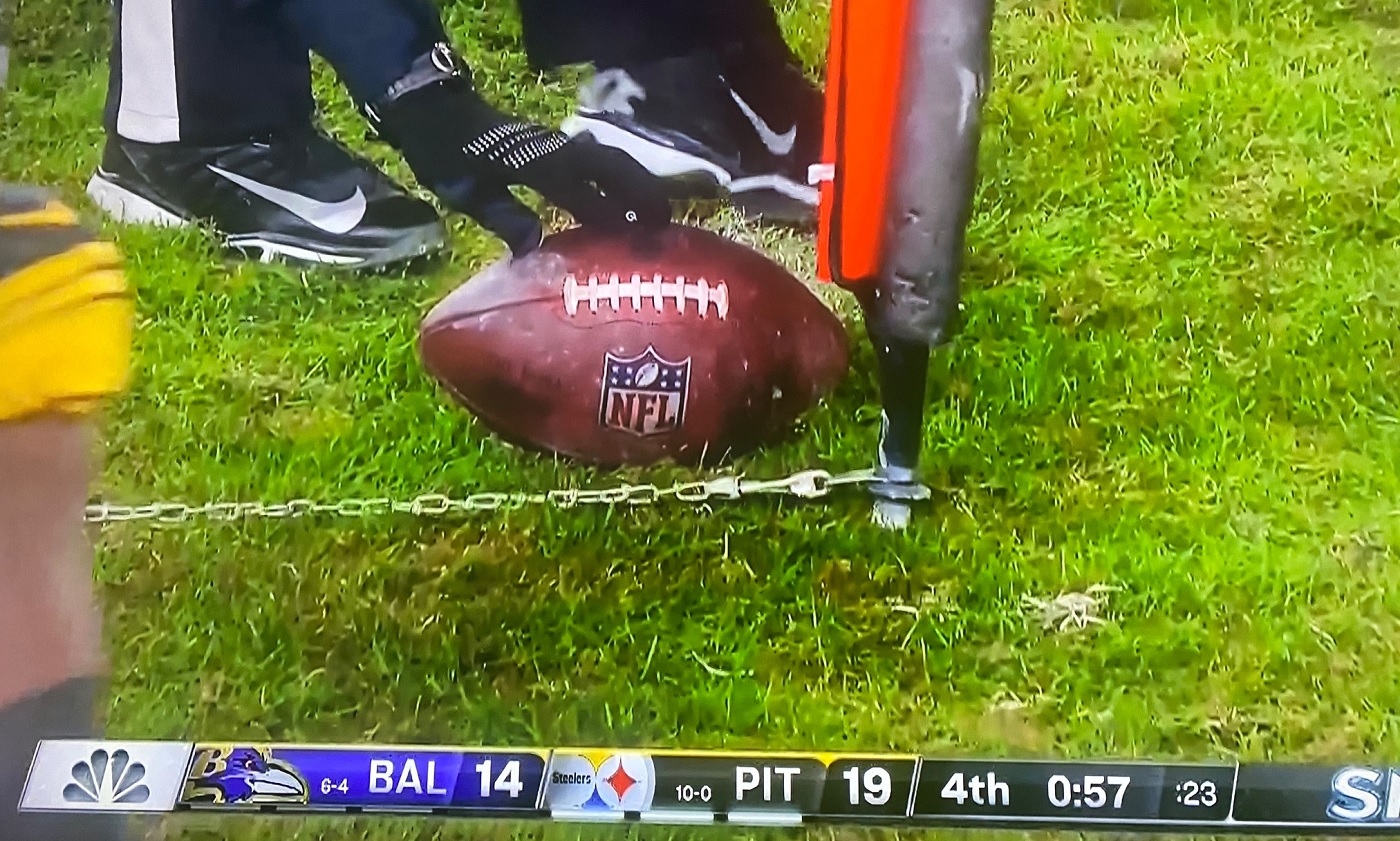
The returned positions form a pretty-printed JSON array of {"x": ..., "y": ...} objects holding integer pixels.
[
  {"x": 626, "y": 781},
  {"x": 601, "y": 781}
]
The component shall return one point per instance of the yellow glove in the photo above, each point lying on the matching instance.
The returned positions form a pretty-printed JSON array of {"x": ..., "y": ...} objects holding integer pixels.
[{"x": 65, "y": 310}]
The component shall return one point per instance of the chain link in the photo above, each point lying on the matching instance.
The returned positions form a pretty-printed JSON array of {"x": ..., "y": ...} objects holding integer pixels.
[{"x": 805, "y": 484}]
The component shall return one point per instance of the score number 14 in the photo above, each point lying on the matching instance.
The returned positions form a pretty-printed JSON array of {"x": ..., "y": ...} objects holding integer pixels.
[{"x": 508, "y": 780}]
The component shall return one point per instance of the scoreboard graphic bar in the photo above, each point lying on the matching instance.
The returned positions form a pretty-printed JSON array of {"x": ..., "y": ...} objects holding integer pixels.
[{"x": 699, "y": 787}]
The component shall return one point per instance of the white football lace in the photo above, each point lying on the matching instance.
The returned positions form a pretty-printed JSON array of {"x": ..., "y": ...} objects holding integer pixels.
[{"x": 658, "y": 291}]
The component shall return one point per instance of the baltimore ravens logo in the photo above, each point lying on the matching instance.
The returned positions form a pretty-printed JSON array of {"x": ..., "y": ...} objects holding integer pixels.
[
  {"x": 644, "y": 395},
  {"x": 243, "y": 776}
]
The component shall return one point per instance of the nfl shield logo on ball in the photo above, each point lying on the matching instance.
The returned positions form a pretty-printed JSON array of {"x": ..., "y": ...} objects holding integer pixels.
[{"x": 645, "y": 394}]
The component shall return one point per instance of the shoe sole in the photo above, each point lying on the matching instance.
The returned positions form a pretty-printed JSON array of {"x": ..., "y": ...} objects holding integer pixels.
[
  {"x": 769, "y": 196},
  {"x": 774, "y": 208},
  {"x": 412, "y": 245},
  {"x": 130, "y": 208},
  {"x": 127, "y": 207}
]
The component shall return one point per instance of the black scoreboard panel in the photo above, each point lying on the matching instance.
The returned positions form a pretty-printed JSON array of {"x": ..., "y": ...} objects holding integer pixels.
[
  {"x": 758, "y": 788},
  {"x": 1356, "y": 797},
  {"x": 744, "y": 783},
  {"x": 1121, "y": 793},
  {"x": 871, "y": 787},
  {"x": 683, "y": 787}
]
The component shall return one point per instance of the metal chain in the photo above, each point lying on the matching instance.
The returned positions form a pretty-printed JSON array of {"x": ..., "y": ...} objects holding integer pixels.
[{"x": 805, "y": 484}]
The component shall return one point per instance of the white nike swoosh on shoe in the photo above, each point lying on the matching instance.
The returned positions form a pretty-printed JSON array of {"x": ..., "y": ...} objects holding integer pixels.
[
  {"x": 339, "y": 217},
  {"x": 778, "y": 144}
]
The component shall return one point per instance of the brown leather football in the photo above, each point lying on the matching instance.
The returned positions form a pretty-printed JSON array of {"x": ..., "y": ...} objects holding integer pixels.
[{"x": 611, "y": 349}]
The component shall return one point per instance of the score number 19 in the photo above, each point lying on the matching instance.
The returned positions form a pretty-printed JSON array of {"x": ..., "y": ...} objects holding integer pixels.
[{"x": 872, "y": 788}]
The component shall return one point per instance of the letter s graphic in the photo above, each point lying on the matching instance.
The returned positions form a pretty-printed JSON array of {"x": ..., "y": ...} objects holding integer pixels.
[{"x": 1356, "y": 795}]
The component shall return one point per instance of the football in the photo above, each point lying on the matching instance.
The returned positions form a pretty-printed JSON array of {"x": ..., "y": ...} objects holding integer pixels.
[{"x": 631, "y": 349}]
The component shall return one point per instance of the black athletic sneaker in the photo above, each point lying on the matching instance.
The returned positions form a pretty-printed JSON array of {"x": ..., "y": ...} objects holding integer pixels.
[
  {"x": 683, "y": 120},
  {"x": 302, "y": 198}
]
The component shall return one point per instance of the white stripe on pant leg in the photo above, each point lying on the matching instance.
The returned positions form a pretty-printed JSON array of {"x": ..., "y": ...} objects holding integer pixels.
[{"x": 149, "y": 110}]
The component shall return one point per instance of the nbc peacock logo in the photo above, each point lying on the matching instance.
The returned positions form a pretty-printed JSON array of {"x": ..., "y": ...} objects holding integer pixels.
[{"x": 107, "y": 778}]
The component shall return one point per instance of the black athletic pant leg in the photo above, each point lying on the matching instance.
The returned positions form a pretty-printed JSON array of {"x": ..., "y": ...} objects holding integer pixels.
[
  {"x": 207, "y": 72},
  {"x": 615, "y": 33},
  {"x": 371, "y": 44}
]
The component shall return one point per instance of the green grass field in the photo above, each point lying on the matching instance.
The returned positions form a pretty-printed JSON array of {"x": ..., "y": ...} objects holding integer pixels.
[{"x": 1178, "y": 378}]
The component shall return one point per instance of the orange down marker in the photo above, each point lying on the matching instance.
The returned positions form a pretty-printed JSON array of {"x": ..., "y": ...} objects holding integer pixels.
[{"x": 865, "y": 65}]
